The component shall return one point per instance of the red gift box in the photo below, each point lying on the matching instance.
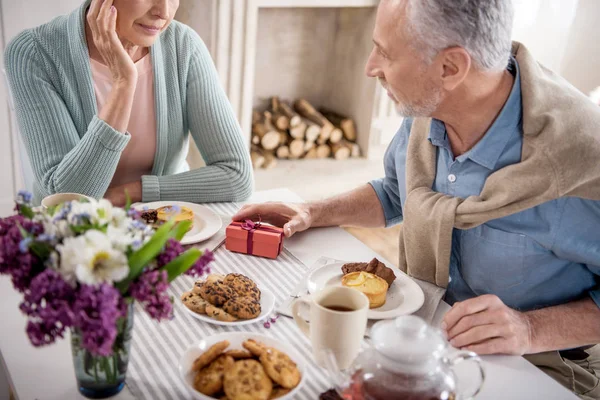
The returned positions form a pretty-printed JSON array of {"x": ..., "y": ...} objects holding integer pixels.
[{"x": 254, "y": 238}]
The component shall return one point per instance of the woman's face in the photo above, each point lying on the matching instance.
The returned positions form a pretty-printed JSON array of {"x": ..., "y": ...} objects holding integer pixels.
[{"x": 141, "y": 21}]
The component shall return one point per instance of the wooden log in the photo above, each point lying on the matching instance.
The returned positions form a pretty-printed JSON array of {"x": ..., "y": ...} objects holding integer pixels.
[
  {"x": 355, "y": 150},
  {"x": 286, "y": 110},
  {"x": 257, "y": 158},
  {"x": 306, "y": 109},
  {"x": 340, "y": 151},
  {"x": 311, "y": 154},
  {"x": 298, "y": 131},
  {"x": 309, "y": 145},
  {"x": 282, "y": 152},
  {"x": 296, "y": 148},
  {"x": 268, "y": 134},
  {"x": 336, "y": 135},
  {"x": 283, "y": 138},
  {"x": 281, "y": 121},
  {"x": 275, "y": 102},
  {"x": 312, "y": 131},
  {"x": 270, "y": 160},
  {"x": 346, "y": 124},
  {"x": 323, "y": 151},
  {"x": 255, "y": 139},
  {"x": 256, "y": 117}
]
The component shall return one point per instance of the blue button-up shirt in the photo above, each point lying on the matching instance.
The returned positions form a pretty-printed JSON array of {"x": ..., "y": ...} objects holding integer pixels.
[{"x": 543, "y": 256}]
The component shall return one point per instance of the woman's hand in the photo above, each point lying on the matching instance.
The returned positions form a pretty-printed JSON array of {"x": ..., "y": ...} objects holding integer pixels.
[
  {"x": 102, "y": 19},
  {"x": 118, "y": 195}
]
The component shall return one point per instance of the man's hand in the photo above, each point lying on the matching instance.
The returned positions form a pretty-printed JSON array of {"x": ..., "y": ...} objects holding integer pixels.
[
  {"x": 485, "y": 325},
  {"x": 118, "y": 195},
  {"x": 291, "y": 217}
]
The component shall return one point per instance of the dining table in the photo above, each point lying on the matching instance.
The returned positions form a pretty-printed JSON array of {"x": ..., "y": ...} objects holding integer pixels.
[{"x": 47, "y": 373}]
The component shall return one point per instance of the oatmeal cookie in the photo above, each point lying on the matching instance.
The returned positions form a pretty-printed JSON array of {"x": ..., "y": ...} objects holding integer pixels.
[
  {"x": 247, "y": 380},
  {"x": 280, "y": 368},
  {"x": 242, "y": 285},
  {"x": 243, "y": 307},
  {"x": 216, "y": 293},
  {"x": 254, "y": 347},
  {"x": 209, "y": 380},
  {"x": 279, "y": 392},
  {"x": 219, "y": 314},
  {"x": 194, "y": 302},
  {"x": 210, "y": 355},
  {"x": 239, "y": 354}
]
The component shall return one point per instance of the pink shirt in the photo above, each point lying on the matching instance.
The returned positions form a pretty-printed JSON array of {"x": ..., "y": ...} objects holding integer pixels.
[{"x": 138, "y": 157}]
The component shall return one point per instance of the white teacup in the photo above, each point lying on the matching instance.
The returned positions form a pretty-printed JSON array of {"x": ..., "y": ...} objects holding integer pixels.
[
  {"x": 59, "y": 198},
  {"x": 338, "y": 322}
]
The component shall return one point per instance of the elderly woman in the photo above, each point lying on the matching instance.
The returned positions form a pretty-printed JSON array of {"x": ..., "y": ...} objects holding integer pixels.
[{"x": 105, "y": 98}]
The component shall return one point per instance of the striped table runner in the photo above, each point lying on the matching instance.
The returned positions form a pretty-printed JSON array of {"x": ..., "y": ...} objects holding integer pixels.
[{"x": 157, "y": 347}]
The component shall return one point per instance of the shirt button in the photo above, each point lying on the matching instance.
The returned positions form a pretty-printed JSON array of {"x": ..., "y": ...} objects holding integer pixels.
[{"x": 452, "y": 178}]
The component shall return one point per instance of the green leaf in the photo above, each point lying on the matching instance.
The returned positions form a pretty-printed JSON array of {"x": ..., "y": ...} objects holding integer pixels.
[
  {"x": 52, "y": 210},
  {"x": 23, "y": 232},
  {"x": 182, "y": 263},
  {"x": 127, "y": 201},
  {"x": 180, "y": 230},
  {"x": 102, "y": 213},
  {"x": 41, "y": 250},
  {"x": 148, "y": 252},
  {"x": 26, "y": 211}
]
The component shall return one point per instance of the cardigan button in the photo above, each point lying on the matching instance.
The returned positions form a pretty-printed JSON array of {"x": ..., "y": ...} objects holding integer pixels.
[{"x": 452, "y": 178}]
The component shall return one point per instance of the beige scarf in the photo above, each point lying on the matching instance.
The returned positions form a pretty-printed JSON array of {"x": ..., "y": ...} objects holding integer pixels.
[{"x": 560, "y": 157}]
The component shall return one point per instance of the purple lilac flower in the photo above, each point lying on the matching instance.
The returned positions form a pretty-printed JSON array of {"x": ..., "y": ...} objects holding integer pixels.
[
  {"x": 96, "y": 310},
  {"x": 151, "y": 291},
  {"x": 201, "y": 266},
  {"x": 171, "y": 251},
  {"x": 21, "y": 267},
  {"x": 134, "y": 214},
  {"x": 47, "y": 305}
]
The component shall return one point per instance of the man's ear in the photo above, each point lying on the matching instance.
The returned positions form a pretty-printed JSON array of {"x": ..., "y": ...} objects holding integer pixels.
[{"x": 456, "y": 64}]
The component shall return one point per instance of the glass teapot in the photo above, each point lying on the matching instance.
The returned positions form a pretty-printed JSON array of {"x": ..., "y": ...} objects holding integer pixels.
[{"x": 406, "y": 359}]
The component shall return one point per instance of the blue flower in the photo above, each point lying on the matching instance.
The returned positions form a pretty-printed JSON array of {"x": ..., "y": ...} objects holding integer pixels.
[
  {"x": 24, "y": 245},
  {"x": 46, "y": 238},
  {"x": 24, "y": 196},
  {"x": 136, "y": 244}
]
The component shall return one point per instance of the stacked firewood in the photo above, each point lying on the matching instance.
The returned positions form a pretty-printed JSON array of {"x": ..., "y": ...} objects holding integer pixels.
[{"x": 301, "y": 131}]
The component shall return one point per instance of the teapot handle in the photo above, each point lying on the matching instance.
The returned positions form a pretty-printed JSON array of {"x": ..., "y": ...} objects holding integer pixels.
[
  {"x": 302, "y": 324},
  {"x": 468, "y": 356}
]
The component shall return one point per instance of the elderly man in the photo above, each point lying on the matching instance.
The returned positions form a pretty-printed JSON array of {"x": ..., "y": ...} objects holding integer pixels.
[{"x": 496, "y": 176}]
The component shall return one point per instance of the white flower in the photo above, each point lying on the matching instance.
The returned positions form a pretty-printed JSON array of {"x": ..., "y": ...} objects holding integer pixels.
[{"x": 93, "y": 259}]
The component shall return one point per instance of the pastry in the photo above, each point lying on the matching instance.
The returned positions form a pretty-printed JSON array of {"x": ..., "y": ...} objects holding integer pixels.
[
  {"x": 242, "y": 285},
  {"x": 254, "y": 347},
  {"x": 210, "y": 355},
  {"x": 177, "y": 213},
  {"x": 331, "y": 394},
  {"x": 243, "y": 307},
  {"x": 216, "y": 292},
  {"x": 371, "y": 285},
  {"x": 239, "y": 354},
  {"x": 374, "y": 266},
  {"x": 194, "y": 302},
  {"x": 219, "y": 314},
  {"x": 209, "y": 380},
  {"x": 149, "y": 216},
  {"x": 279, "y": 392},
  {"x": 247, "y": 380},
  {"x": 280, "y": 368}
]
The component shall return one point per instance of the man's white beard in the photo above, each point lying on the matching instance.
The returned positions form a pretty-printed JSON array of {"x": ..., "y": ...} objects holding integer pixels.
[{"x": 423, "y": 109}]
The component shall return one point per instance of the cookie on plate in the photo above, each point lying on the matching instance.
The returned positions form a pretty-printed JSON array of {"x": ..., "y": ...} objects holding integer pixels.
[
  {"x": 243, "y": 307},
  {"x": 216, "y": 292},
  {"x": 209, "y": 380},
  {"x": 247, "y": 380},
  {"x": 239, "y": 354},
  {"x": 210, "y": 355},
  {"x": 254, "y": 347},
  {"x": 279, "y": 392},
  {"x": 194, "y": 302},
  {"x": 219, "y": 314},
  {"x": 280, "y": 367},
  {"x": 242, "y": 285}
]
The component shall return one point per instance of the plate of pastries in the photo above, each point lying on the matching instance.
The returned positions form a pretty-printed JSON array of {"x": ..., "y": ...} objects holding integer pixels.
[
  {"x": 391, "y": 292},
  {"x": 232, "y": 299},
  {"x": 240, "y": 366},
  {"x": 205, "y": 222}
]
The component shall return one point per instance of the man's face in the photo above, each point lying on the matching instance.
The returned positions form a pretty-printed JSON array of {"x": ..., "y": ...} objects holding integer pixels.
[
  {"x": 409, "y": 81},
  {"x": 141, "y": 21}
]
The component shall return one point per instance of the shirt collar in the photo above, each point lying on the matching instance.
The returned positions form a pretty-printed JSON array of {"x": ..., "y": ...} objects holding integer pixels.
[{"x": 489, "y": 149}]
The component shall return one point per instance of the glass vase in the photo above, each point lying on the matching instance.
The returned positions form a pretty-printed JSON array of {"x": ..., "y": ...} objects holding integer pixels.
[{"x": 99, "y": 377}]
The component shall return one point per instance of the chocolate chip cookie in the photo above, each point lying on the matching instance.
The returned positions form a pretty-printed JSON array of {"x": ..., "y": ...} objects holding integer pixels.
[
  {"x": 210, "y": 355},
  {"x": 219, "y": 314},
  {"x": 216, "y": 292},
  {"x": 243, "y": 307},
  {"x": 280, "y": 367},
  {"x": 209, "y": 380},
  {"x": 242, "y": 285},
  {"x": 247, "y": 380},
  {"x": 194, "y": 302}
]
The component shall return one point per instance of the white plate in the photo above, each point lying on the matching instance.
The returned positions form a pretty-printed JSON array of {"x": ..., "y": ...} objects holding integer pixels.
[
  {"x": 206, "y": 222},
  {"x": 404, "y": 296},
  {"x": 267, "y": 304},
  {"x": 235, "y": 342}
]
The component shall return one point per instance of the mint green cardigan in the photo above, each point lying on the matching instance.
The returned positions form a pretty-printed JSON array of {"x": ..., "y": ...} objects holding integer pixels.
[{"x": 72, "y": 150}]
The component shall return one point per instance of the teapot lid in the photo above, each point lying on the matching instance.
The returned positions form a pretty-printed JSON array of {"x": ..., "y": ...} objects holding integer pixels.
[{"x": 408, "y": 340}]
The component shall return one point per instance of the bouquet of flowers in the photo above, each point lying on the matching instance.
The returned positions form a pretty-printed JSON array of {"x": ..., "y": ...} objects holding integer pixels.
[{"x": 81, "y": 265}]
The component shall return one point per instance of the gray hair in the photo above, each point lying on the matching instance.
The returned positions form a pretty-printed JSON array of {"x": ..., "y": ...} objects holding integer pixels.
[{"x": 482, "y": 27}]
